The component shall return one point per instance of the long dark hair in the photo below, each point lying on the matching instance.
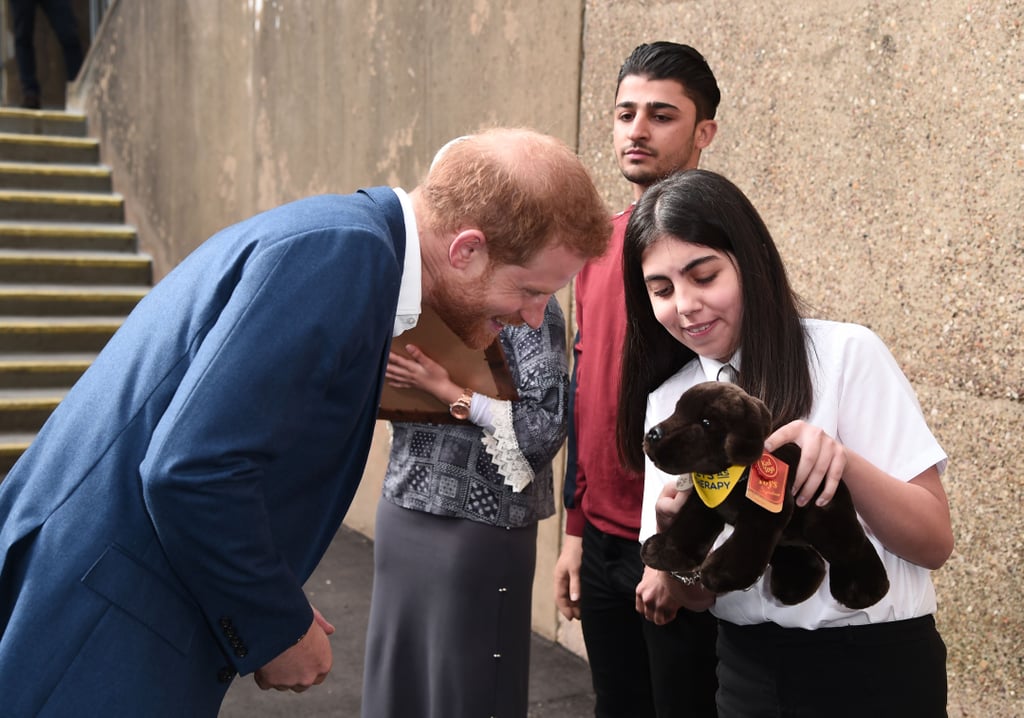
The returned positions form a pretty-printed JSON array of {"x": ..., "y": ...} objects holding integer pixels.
[{"x": 705, "y": 208}]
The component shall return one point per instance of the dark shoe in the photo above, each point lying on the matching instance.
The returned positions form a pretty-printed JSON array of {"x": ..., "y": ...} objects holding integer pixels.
[{"x": 31, "y": 102}]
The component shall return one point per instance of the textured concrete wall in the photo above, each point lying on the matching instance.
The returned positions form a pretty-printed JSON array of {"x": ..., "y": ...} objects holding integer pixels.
[
  {"x": 210, "y": 112},
  {"x": 883, "y": 143}
]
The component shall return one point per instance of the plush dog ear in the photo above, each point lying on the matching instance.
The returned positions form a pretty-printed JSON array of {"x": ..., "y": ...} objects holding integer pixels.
[{"x": 748, "y": 429}]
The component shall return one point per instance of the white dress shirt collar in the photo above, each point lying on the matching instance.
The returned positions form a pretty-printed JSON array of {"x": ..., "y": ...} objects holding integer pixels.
[
  {"x": 711, "y": 366},
  {"x": 410, "y": 295}
]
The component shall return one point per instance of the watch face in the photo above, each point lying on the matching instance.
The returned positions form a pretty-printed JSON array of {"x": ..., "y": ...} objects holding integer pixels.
[{"x": 460, "y": 409}]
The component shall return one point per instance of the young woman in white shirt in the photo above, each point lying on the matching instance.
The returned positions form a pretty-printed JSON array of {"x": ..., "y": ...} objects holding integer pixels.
[{"x": 705, "y": 286}]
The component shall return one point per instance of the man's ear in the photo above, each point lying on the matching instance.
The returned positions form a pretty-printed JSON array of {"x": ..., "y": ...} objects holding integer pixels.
[
  {"x": 468, "y": 246},
  {"x": 704, "y": 133}
]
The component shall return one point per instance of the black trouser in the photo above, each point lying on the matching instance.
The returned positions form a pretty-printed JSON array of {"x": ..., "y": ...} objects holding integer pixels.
[
  {"x": 882, "y": 670},
  {"x": 640, "y": 670},
  {"x": 23, "y": 23}
]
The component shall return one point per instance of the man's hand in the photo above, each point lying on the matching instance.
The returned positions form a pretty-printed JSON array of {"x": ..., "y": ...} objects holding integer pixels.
[
  {"x": 305, "y": 664},
  {"x": 567, "y": 577}
]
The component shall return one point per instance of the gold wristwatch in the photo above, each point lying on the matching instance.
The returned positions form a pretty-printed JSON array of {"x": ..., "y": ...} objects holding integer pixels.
[{"x": 460, "y": 407}]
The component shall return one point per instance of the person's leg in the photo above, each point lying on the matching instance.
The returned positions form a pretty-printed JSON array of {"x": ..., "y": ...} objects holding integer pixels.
[
  {"x": 449, "y": 629},
  {"x": 683, "y": 660},
  {"x": 23, "y": 24},
  {"x": 887, "y": 670},
  {"x": 612, "y": 629},
  {"x": 65, "y": 27},
  {"x": 747, "y": 672},
  {"x": 883, "y": 670}
]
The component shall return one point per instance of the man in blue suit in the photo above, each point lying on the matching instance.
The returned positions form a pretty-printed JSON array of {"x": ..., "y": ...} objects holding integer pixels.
[{"x": 156, "y": 535}]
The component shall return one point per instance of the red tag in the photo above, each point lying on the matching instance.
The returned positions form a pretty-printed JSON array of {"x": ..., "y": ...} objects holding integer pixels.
[{"x": 766, "y": 485}]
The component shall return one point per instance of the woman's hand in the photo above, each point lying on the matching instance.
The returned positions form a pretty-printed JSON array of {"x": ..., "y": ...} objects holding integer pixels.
[
  {"x": 822, "y": 460},
  {"x": 659, "y": 596},
  {"x": 668, "y": 505},
  {"x": 418, "y": 371},
  {"x": 910, "y": 518}
]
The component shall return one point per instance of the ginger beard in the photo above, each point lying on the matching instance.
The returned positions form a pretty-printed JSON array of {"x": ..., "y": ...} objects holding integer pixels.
[{"x": 460, "y": 306}]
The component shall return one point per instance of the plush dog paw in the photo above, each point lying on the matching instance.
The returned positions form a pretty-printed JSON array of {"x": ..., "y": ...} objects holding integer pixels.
[
  {"x": 721, "y": 576},
  {"x": 796, "y": 573},
  {"x": 661, "y": 554},
  {"x": 859, "y": 584}
]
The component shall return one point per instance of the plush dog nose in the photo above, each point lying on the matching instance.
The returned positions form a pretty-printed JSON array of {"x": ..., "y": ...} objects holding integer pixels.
[{"x": 654, "y": 435}]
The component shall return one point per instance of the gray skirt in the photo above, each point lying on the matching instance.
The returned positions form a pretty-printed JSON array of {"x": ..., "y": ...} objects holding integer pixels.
[{"x": 449, "y": 632}]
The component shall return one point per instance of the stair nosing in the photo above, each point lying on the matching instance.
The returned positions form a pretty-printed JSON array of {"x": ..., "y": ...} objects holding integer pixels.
[
  {"x": 15, "y": 324},
  {"x": 43, "y": 289},
  {"x": 49, "y": 114},
  {"x": 61, "y": 196},
  {"x": 13, "y": 257},
  {"x": 26, "y": 227},
  {"x": 11, "y": 442},
  {"x": 69, "y": 141},
  {"x": 41, "y": 366},
  {"x": 48, "y": 397},
  {"x": 66, "y": 169}
]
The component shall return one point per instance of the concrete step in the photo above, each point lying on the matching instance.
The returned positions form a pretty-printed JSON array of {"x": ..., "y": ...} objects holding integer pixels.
[
  {"x": 38, "y": 371},
  {"x": 51, "y": 267},
  {"x": 22, "y": 335},
  {"x": 12, "y": 446},
  {"x": 26, "y": 410},
  {"x": 68, "y": 300},
  {"x": 50, "y": 176},
  {"x": 42, "y": 122},
  {"x": 32, "y": 205},
  {"x": 16, "y": 147},
  {"x": 85, "y": 236}
]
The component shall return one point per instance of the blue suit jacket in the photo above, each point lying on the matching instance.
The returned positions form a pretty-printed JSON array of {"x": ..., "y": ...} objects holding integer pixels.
[{"x": 156, "y": 535}]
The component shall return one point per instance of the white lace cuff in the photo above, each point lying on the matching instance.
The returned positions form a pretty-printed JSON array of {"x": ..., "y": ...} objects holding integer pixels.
[{"x": 502, "y": 445}]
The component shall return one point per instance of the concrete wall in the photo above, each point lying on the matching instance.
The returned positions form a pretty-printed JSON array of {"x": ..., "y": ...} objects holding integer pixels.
[{"x": 883, "y": 143}]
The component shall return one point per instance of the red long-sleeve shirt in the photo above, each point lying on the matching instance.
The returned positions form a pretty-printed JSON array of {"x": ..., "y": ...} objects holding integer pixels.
[{"x": 606, "y": 494}]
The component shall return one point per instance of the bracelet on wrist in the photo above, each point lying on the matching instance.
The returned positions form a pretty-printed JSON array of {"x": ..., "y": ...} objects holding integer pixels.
[{"x": 687, "y": 579}]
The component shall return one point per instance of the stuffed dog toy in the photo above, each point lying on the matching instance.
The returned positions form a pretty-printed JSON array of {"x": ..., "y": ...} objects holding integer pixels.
[{"x": 717, "y": 434}]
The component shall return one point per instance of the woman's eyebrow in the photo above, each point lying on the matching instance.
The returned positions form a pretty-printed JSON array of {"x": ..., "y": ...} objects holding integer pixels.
[{"x": 699, "y": 261}]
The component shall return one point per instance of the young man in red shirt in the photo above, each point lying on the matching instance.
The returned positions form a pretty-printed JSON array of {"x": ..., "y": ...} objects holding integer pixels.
[{"x": 665, "y": 104}]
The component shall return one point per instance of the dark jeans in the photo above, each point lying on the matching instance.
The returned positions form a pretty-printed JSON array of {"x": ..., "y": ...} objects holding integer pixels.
[
  {"x": 640, "y": 670},
  {"x": 883, "y": 670},
  {"x": 62, "y": 20}
]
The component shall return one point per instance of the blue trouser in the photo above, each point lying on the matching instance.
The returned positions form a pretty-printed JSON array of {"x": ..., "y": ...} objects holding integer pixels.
[{"x": 65, "y": 27}]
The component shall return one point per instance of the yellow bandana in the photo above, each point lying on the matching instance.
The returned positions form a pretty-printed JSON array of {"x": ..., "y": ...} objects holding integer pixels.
[{"x": 713, "y": 489}]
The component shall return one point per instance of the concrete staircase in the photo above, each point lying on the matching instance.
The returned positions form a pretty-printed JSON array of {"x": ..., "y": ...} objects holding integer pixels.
[{"x": 69, "y": 269}]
